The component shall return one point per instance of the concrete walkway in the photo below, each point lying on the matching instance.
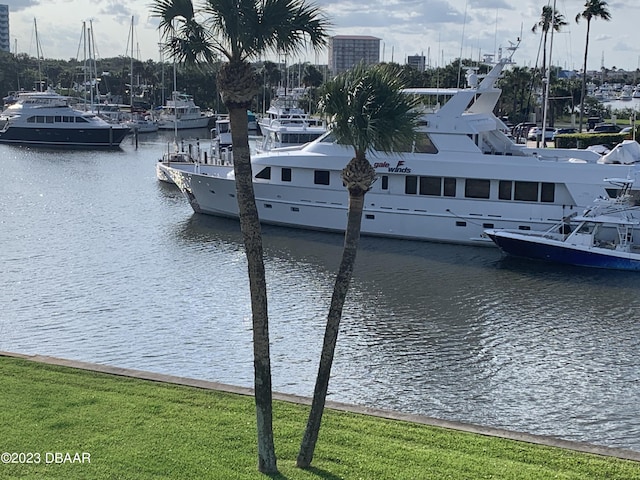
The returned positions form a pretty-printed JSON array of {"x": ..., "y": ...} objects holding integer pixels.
[{"x": 421, "y": 419}]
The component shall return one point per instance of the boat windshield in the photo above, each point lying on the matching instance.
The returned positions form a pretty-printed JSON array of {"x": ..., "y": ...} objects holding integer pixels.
[{"x": 421, "y": 143}]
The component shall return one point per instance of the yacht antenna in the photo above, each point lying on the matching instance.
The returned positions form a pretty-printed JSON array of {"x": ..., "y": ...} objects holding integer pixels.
[{"x": 464, "y": 23}]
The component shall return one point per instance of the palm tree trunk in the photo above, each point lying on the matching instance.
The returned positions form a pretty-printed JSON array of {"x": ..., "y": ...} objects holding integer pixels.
[
  {"x": 584, "y": 78},
  {"x": 252, "y": 236},
  {"x": 544, "y": 76},
  {"x": 343, "y": 278}
]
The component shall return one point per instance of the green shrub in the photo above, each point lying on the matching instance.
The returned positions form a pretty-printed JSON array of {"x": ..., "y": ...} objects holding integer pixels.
[{"x": 584, "y": 140}]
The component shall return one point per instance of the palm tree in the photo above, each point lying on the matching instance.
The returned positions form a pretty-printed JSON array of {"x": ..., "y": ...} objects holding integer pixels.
[
  {"x": 366, "y": 110},
  {"x": 592, "y": 9},
  {"x": 549, "y": 19},
  {"x": 239, "y": 31}
]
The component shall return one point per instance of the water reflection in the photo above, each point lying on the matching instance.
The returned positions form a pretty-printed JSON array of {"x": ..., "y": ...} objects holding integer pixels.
[{"x": 101, "y": 262}]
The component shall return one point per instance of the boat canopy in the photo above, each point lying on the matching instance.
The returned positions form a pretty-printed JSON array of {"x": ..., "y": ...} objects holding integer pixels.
[{"x": 625, "y": 153}]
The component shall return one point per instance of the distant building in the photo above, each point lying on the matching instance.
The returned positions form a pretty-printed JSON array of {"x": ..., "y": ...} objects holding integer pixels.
[
  {"x": 416, "y": 61},
  {"x": 5, "y": 44},
  {"x": 346, "y": 51}
]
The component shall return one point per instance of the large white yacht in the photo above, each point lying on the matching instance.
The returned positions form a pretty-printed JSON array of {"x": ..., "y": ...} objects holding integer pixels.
[
  {"x": 46, "y": 119},
  {"x": 285, "y": 124},
  {"x": 181, "y": 112},
  {"x": 461, "y": 176}
]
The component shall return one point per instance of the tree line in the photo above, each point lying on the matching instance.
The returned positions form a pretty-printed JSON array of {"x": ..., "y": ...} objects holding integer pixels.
[{"x": 153, "y": 83}]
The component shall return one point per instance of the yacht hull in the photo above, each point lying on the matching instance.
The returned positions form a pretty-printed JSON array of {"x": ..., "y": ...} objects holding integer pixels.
[
  {"x": 110, "y": 137},
  {"x": 212, "y": 191}
]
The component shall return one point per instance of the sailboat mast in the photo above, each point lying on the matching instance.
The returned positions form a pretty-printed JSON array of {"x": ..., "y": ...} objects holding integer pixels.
[
  {"x": 84, "y": 47},
  {"x": 91, "y": 77},
  {"x": 131, "y": 71},
  {"x": 39, "y": 54},
  {"x": 175, "y": 105}
]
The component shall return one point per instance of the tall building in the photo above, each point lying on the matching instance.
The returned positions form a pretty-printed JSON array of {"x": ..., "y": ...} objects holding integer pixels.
[
  {"x": 346, "y": 51},
  {"x": 417, "y": 62},
  {"x": 5, "y": 44}
]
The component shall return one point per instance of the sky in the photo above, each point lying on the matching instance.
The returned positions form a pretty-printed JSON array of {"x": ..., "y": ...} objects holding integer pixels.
[{"x": 441, "y": 30}]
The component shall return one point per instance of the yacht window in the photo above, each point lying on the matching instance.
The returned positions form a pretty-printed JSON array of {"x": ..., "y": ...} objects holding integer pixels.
[
  {"x": 286, "y": 175},
  {"x": 586, "y": 228},
  {"x": 547, "y": 192},
  {"x": 423, "y": 144},
  {"x": 321, "y": 177},
  {"x": 328, "y": 138},
  {"x": 504, "y": 189},
  {"x": 477, "y": 188},
  {"x": 635, "y": 195},
  {"x": 431, "y": 186},
  {"x": 411, "y": 185},
  {"x": 48, "y": 119},
  {"x": 384, "y": 182},
  {"x": 526, "y": 191},
  {"x": 264, "y": 174},
  {"x": 299, "y": 138},
  {"x": 58, "y": 119},
  {"x": 449, "y": 187},
  {"x": 81, "y": 120}
]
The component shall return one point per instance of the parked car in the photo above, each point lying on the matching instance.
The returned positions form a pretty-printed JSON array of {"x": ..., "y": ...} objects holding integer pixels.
[
  {"x": 592, "y": 122},
  {"x": 563, "y": 131},
  {"x": 520, "y": 131},
  {"x": 605, "y": 128},
  {"x": 535, "y": 133}
]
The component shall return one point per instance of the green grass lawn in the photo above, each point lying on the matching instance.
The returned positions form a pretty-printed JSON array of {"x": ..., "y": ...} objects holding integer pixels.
[{"x": 126, "y": 428}]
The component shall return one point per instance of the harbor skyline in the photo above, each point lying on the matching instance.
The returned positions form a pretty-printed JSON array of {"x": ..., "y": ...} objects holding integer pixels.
[{"x": 441, "y": 31}]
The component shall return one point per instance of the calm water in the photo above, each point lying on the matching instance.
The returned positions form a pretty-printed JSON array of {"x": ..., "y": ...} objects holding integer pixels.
[{"x": 102, "y": 263}]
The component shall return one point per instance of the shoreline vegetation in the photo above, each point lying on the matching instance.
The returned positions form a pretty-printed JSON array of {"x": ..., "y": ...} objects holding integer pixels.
[{"x": 61, "y": 419}]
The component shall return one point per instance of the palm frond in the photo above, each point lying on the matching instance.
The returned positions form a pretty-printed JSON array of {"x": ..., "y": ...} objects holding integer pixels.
[
  {"x": 368, "y": 110},
  {"x": 170, "y": 10},
  {"x": 185, "y": 39},
  {"x": 288, "y": 24}
]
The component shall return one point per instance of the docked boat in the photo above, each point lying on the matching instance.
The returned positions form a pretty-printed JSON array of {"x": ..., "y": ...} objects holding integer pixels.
[
  {"x": 626, "y": 94},
  {"x": 142, "y": 123},
  {"x": 285, "y": 124},
  {"x": 179, "y": 156},
  {"x": 460, "y": 176},
  {"x": 604, "y": 236},
  {"x": 47, "y": 119},
  {"x": 189, "y": 158},
  {"x": 181, "y": 113}
]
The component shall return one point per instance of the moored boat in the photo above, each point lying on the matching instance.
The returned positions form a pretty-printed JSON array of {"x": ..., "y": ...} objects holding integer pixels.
[
  {"x": 46, "y": 119},
  {"x": 604, "y": 236},
  {"x": 460, "y": 176},
  {"x": 285, "y": 124},
  {"x": 142, "y": 123},
  {"x": 178, "y": 156},
  {"x": 181, "y": 113}
]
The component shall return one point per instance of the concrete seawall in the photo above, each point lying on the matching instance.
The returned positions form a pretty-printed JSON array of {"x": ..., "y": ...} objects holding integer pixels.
[{"x": 420, "y": 419}]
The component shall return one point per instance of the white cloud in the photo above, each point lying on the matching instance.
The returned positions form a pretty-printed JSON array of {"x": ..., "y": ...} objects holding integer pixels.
[{"x": 442, "y": 28}]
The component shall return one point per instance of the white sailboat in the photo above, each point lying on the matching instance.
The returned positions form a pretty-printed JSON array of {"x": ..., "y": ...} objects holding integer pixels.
[{"x": 139, "y": 122}]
